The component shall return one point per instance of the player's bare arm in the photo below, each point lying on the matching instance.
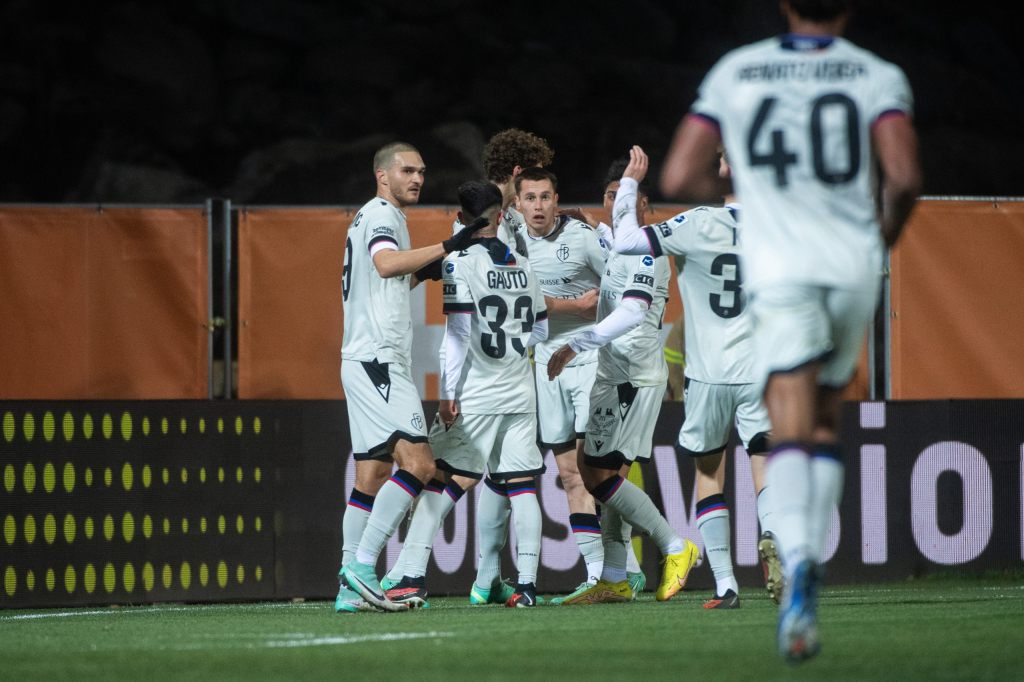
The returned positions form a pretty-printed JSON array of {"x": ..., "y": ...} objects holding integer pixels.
[
  {"x": 396, "y": 262},
  {"x": 690, "y": 171},
  {"x": 895, "y": 144},
  {"x": 585, "y": 305}
]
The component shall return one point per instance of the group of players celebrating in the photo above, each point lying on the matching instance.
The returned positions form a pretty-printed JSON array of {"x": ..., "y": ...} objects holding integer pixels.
[
  {"x": 775, "y": 304},
  {"x": 520, "y": 274}
]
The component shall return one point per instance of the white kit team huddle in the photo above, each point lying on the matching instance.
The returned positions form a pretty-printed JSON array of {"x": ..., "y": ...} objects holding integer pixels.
[
  {"x": 777, "y": 290},
  {"x": 597, "y": 383}
]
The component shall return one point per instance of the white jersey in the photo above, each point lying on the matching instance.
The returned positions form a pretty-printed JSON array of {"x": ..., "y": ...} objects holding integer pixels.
[
  {"x": 718, "y": 329},
  {"x": 498, "y": 289},
  {"x": 568, "y": 263},
  {"x": 511, "y": 228},
  {"x": 637, "y": 356},
  {"x": 378, "y": 323},
  {"x": 795, "y": 114}
]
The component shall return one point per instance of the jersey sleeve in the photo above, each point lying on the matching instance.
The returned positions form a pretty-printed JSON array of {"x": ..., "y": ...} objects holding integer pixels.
[
  {"x": 641, "y": 282},
  {"x": 630, "y": 238},
  {"x": 457, "y": 295},
  {"x": 892, "y": 94},
  {"x": 596, "y": 250},
  {"x": 709, "y": 105},
  {"x": 381, "y": 234}
]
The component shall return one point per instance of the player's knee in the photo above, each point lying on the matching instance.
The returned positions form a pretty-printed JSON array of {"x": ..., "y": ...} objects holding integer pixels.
[{"x": 422, "y": 468}]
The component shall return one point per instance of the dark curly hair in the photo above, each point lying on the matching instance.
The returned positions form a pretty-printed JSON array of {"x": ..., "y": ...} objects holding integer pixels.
[{"x": 511, "y": 148}]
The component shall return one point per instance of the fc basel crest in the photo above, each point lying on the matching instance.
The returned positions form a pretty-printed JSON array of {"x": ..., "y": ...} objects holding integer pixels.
[{"x": 563, "y": 253}]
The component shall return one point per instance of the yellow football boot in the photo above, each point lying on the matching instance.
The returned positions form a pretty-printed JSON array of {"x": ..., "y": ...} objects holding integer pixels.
[
  {"x": 676, "y": 570},
  {"x": 601, "y": 592}
]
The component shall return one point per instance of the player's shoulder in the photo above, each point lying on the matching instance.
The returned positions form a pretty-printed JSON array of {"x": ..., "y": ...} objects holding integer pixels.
[
  {"x": 377, "y": 212},
  {"x": 757, "y": 50}
]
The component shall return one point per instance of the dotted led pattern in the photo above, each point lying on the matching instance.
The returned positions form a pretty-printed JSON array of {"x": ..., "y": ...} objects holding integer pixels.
[{"x": 134, "y": 502}]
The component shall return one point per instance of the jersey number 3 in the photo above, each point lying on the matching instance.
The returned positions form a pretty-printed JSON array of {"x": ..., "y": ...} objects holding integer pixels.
[
  {"x": 494, "y": 342},
  {"x": 779, "y": 158},
  {"x": 729, "y": 284}
]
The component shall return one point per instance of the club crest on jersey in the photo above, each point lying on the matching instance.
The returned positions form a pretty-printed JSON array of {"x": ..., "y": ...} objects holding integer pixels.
[
  {"x": 648, "y": 261},
  {"x": 563, "y": 253},
  {"x": 417, "y": 421}
]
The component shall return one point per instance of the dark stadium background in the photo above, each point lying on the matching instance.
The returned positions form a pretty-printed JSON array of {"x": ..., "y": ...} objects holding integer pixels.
[{"x": 283, "y": 101}]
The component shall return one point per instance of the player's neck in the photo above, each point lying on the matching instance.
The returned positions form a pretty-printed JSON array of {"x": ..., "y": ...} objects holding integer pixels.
[
  {"x": 385, "y": 194},
  {"x": 805, "y": 27},
  {"x": 541, "y": 232}
]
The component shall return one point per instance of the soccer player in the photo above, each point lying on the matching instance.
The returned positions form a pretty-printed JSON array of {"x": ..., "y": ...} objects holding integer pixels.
[
  {"x": 506, "y": 155},
  {"x": 487, "y": 415},
  {"x": 720, "y": 388},
  {"x": 384, "y": 409},
  {"x": 808, "y": 119},
  {"x": 624, "y": 406},
  {"x": 568, "y": 257}
]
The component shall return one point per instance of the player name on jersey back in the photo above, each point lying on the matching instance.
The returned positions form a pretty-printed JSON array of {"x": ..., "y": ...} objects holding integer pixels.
[{"x": 498, "y": 290}]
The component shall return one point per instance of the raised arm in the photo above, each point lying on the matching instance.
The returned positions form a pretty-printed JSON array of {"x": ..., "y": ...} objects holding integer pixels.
[{"x": 630, "y": 238}]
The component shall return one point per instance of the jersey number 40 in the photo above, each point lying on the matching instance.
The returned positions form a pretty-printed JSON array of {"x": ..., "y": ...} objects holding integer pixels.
[{"x": 776, "y": 155}]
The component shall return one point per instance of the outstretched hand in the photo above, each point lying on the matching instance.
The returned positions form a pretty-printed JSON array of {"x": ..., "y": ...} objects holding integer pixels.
[
  {"x": 637, "y": 167},
  {"x": 558, "y": 360},
  {"x": 578, "y": 214},
  {"x": 461, "y": 239}
]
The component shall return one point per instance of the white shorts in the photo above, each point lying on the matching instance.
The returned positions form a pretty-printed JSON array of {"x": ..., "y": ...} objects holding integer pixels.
[
  {"x": 504, "y": 445},
  {"x": 383, "y": 407},
  {"x": 621, "y": 425},
  {"x": 795, "y": 325},
  {"x": 562, "y": 404},
  {"x": 711, "y": 410}
]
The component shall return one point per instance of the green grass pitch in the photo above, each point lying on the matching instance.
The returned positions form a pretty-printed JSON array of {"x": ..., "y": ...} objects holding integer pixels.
[{"x": 928, "y": 629}]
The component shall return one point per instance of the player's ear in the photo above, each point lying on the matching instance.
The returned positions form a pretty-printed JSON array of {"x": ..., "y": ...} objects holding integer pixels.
[{"x": 460, "y": 218}]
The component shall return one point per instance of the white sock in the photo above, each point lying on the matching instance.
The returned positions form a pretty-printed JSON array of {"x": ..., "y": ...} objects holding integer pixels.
[
  {"x": 713, "y": 524},
  {"x": 614, "y": 546},
  {"x": 765, "y": 510},
  {"x": 492, "y": 515},
  {"x": 389, "y": 508},
  {"x": 430, "y": 513},
  {"x": 789, "y": 475},
  {"x": 353, "y": 523},
  {"x": 632, "y": 563},
  {"x": 637, "y": 509},
  {"x": 527, "y": 517},
  {"x": 586, "y": 529},
  {"x": 827, "y": 473}
]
